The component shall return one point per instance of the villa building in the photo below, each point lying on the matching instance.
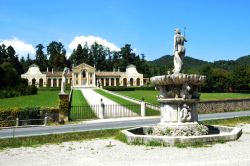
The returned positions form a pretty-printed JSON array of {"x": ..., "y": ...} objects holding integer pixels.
[{"x": 84, "y": 75}]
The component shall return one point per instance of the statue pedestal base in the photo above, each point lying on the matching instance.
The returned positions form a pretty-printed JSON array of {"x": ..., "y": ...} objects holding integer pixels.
[
  {"x": 64, "y": 108},
  {"x": 178, "y": 112}
]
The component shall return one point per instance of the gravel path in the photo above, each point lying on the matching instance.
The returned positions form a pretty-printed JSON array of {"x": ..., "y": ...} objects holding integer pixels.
[{"x": 97, "y": 152}]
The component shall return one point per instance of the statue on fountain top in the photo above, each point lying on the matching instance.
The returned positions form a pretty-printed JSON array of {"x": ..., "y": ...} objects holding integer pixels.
[{"x": 179, "y": 51}]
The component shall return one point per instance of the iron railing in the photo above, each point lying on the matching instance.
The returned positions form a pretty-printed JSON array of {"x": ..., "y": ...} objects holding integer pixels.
[{"x": 79, "y": 112}]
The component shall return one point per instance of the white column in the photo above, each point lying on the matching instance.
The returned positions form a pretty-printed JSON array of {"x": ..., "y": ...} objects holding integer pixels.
[
  {"x": 57, "y": 82},
  {"x": 104, "y": 82},
  {"x": 109, "y": 81},
  {"x": 73, "y": 79},
  {"x": 87, "y": 76},
  {"x": 114, "y": 81},
  {"x": 45, "y": 82},
  {"x": 37, "y": 83},
  {"x": 94, "y": 81},
  {"x": 51, "y": 83},
  {"x": 80, "y": 78}
]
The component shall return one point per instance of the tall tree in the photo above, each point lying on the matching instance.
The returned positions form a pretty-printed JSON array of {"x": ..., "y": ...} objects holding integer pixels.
[
  {"x": 13, "y": 59},
  {"x": 127, "y": 55},
  {"x": 57, "y": 55},
  {"x": 41, "y": 58}
]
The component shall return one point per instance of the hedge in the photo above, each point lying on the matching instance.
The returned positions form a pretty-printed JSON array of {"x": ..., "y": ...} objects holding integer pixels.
[
  {"x": 18, "y": 91},
  {"x": 124, "y": 88},
  {"x": 9, "y": 115}
]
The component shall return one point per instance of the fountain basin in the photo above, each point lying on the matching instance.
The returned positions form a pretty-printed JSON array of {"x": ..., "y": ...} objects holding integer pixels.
[
  {"x": 178, "y": 79},
  {"x": 215, "y": 134}
]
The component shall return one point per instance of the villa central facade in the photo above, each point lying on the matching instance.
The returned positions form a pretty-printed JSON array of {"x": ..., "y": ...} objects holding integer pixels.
[{"x": 84, "y": 75}]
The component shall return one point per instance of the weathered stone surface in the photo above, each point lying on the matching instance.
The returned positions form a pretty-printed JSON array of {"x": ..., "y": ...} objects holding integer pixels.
[{"x": 223, "y": 105}]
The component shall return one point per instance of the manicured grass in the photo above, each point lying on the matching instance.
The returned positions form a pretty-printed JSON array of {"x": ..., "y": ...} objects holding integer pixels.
[
  {"x": 220, "y": 96},
  {"x": 44, "y": 98},
  {"x": 151, "y": 95},
  {"x": 228, "y": 122},
  {"x": 123, "y": 102},
  {"x": 80, "y": 108},
  {"x": 56, "y": 138}
]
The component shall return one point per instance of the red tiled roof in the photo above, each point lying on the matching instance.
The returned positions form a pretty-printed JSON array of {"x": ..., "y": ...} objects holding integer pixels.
[
  {"x": 108, "y": 74},
  {"x": 56, "y": 74}
]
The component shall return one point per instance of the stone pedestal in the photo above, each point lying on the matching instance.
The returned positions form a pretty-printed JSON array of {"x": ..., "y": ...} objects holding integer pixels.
[
  {"x": 63, "y": 108},
  {"x": 178, "y": 112},
  {"x": 178, "y": 98}
]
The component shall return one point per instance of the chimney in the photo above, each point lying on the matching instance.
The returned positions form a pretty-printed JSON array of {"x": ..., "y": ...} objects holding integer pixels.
[
  {"x": 118, "y": 69},
  {"x": 47, "y": 69},
  {"x": 52, "y": 71},
  {"x": 113, "y": 69}
]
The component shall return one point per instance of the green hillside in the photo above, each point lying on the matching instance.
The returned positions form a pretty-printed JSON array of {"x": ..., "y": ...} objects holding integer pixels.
[
  {"x": 192, "y": 65},
  {"x": 165, "y": 63}
]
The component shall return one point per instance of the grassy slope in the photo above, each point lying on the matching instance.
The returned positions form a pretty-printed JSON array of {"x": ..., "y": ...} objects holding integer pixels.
[
  {"x": 80, "y": 107},
  {"x": 150, "y": 95},
  {"x": 56, "y": 138},
  {"x": 43, "y": 98},
  {"x": 149, "y": 112}
]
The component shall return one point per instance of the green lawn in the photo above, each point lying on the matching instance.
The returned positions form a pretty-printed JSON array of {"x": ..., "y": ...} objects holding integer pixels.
[
  {"x": 80, "y": 108},
  {"x": 44, "y": 98},
  {"x": 220, "y": 96},
  {"x": 126, "y": 103},
  {"x": 150, "y": 95}
]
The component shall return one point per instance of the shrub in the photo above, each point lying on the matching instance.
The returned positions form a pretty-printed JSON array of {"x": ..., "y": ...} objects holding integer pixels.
[
  {"x": 19, "y": 90},
  {"x": 9, "y": 115},
  {"x": 124, "y": 88},
  {"x": 119, "y": 88}
]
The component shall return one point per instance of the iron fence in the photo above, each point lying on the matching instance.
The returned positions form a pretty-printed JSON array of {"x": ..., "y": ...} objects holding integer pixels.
[{"x": 79, "y": 112}]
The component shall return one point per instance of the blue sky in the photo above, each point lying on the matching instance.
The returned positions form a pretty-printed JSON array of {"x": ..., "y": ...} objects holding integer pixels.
[{"x": 216, "y": 29}]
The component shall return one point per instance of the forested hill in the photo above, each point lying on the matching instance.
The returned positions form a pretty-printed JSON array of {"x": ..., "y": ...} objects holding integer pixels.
[{"x": 192, "y": 65}]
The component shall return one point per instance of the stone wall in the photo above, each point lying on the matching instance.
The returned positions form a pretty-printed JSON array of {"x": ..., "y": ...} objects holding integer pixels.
[{"x": 223, "y": 105}]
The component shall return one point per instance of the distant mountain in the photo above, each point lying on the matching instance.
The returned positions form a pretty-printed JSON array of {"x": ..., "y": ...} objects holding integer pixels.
[
  {"x": 192, "y": 65},
  {"x": 244, "y": 60}
]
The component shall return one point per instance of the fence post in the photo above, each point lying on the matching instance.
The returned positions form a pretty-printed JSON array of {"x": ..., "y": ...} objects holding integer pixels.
[
  {"x": 45, "y": 119},
  {"x": 101, "y": 113},
  {"x": 17, "y": 121},
  {"x": 143, "y": 108}
]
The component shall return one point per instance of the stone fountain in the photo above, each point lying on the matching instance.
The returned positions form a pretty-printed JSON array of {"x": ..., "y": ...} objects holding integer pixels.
[{"x": 178, "y": 98}]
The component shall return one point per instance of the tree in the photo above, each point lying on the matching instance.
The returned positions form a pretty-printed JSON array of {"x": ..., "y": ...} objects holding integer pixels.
[
  {"x": 127, "y": 56},
  {"x": 3, "y": 54},
  {"x": 57, "y": 55},
  {"x": 241, "y": 77},
  {"x": 41, "y": 58},
  {"x": 11, "y": 76},
  {"x": 13, "y": 59}
]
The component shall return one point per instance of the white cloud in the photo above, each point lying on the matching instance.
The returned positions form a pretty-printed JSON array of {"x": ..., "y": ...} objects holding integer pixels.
[
  {"x": 22, "y": 48},
  {"x": 91, "y": 40}
]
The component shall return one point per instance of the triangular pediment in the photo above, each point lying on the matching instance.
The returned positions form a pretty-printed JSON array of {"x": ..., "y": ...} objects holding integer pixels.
[{"x": 82, "y": 67}]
